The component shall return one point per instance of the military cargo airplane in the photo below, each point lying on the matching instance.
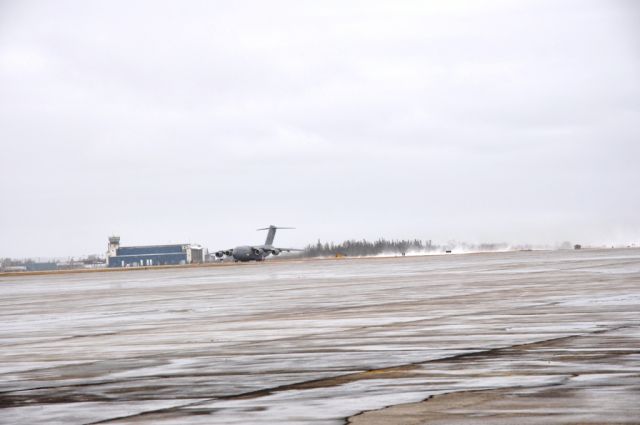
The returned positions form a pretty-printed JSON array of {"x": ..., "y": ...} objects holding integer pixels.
[{"x": 256, "y": 252}]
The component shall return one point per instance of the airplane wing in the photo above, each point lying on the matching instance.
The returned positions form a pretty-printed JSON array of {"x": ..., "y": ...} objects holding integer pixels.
[{"x": 277, "y": 250}]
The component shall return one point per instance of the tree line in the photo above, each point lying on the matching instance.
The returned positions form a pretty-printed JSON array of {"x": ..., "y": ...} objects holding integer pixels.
[
  {"x": 362, "y": 248},
  {"x": 365, "y": 248}
]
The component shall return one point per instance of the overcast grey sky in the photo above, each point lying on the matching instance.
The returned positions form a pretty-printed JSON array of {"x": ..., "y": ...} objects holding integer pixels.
[{"x": 482, "y": 121}]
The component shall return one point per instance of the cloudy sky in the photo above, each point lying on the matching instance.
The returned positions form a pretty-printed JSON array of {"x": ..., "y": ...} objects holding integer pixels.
[{"x": 482, "y": 121}]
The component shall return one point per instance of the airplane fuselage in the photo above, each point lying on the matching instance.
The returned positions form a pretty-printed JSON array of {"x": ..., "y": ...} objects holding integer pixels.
[{"x": 249, "y": 253}]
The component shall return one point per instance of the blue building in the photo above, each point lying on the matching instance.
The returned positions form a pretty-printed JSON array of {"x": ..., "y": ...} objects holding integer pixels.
[{"x": 152, "y": 255}]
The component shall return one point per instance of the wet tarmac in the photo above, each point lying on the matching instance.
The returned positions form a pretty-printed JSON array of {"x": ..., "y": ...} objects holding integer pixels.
[{"x": 520, "y": 337}]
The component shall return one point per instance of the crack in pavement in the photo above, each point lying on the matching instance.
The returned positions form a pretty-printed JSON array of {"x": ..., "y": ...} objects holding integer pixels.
[
  {"x": 376, "y": 373},
  {"x": 568, "y": 377},
  {"x": 245, "y": 344}
]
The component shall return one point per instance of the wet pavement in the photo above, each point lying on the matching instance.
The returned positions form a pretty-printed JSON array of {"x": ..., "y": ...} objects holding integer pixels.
[{"x": 518, "y": 337}]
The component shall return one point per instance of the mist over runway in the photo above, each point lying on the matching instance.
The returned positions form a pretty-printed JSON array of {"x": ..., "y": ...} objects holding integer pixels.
[{"x": 329, "y": 341}]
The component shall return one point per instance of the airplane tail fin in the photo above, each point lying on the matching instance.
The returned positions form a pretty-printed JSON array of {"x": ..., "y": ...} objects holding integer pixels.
[{"x": 272, "y": 233}]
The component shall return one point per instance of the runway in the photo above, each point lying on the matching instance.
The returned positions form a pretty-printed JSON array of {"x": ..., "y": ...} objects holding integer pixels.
[{"x": 518, "y": 337}]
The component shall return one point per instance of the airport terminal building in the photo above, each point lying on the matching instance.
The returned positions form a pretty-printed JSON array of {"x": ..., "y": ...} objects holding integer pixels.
[{"x": 152, "y": 255}]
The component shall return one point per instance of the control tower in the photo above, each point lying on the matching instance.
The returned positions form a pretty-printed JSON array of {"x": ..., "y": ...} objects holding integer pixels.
[{"x": 114, "y": 244}]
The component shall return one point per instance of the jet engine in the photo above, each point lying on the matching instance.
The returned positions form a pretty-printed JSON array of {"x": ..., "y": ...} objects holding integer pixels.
[
  {"x": 219, "y": 254},
  {"x": 275, "y": 251},
  {"x": 257, "y": 251}
]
